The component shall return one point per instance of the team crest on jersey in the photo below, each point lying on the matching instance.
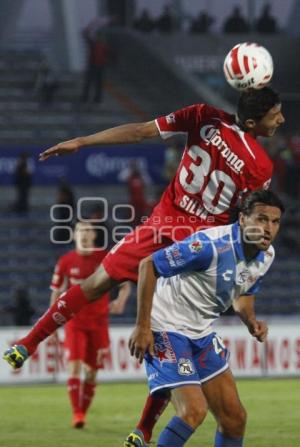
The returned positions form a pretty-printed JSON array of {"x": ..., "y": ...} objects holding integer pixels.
[
  {"x": 170, "y": 118},
  {"x": 185, "y": 367},
  {"x": 243, "y": 277},
  {"x": 196, "y": 246}
]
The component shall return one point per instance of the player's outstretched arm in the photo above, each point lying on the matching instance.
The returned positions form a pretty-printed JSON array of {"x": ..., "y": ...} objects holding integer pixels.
[
  {"x": 141, "y": 340},
  {"x": 127, "y": 133},
  {"x": 244, "y": 307}
]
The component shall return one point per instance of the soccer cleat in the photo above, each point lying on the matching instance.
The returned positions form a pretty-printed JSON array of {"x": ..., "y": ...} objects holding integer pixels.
[
  {"x": 135, "y": 439},
  {"x": 78, "y": 420},
  {"x": 16, "y": 356}
]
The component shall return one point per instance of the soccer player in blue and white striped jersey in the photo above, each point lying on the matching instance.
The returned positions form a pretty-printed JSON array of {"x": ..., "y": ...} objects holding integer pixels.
[{"x": 182, "y": 290}]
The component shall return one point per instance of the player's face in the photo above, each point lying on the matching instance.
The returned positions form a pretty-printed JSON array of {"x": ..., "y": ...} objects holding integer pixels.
[
  {"x": 261, "y": 226},
  {"x": 84, "y": 236},
  {"x": 268, "y": 125}
]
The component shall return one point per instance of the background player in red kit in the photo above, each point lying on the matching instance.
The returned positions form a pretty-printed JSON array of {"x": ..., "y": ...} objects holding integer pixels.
[
  {"x": 87, "y": 334},
  {"x": 222, "y": 161}
]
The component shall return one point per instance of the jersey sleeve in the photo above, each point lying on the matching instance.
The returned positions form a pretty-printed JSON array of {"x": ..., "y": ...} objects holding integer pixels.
[
  {"x": 255, "y": 288},
  {"x": 179, "y": 122},
  {"x": 59, "y": 275},
  {"x": 193, "y": 253}
]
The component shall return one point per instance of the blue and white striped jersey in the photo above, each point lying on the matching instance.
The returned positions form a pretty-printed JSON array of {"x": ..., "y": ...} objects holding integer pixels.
[{"x": 200, "y": 278}]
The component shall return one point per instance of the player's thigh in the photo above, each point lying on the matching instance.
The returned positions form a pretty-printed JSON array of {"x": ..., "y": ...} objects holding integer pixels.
[
  {"x": 122, "y": 262},
  {"x": 97, "y": 284},
  {"x": 98, "y": 346},
  {"x": 75, "y": 342},
  {"x": 223, "y": 399}
]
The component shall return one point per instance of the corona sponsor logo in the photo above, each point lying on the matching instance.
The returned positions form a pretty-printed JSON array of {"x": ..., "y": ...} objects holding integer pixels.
[{"x": 212, "y": 136}]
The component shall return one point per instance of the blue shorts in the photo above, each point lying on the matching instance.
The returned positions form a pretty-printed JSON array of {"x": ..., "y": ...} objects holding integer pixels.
[{"x": 180, "y": 360}]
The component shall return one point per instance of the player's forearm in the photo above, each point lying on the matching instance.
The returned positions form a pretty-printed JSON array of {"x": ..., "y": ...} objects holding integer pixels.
[
  {"x": 244, "y": 307},
  {"x": 146, "y": 287},
  {"x": 127, "y": 133}
]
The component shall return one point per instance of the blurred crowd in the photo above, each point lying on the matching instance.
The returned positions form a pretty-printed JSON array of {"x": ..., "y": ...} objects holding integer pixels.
[{"x": 235, "y": 22}]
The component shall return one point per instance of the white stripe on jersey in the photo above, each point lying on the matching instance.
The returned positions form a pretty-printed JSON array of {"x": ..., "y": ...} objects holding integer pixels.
[{"x": 241, "y": 135}]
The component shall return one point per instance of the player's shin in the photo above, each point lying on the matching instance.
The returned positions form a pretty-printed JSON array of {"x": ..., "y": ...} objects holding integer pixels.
[
  {"x": 224, "y": 441},
  {"x": 87, "y": 395},
  {"x": 176, "y": 433},
  {"x": 154, "y": 407},
  {"x": 57, "y": 315}
]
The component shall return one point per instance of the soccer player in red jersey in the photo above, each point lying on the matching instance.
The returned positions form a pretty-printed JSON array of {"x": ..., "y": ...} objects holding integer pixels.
[
  {"x": 87, "y": 334},
  {"x": 222, "y": 160}
]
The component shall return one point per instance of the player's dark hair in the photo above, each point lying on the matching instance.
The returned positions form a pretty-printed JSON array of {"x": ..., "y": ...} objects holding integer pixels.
[
  {"x": 254, "y": 104},
  {"x": 267, "y": 197}
]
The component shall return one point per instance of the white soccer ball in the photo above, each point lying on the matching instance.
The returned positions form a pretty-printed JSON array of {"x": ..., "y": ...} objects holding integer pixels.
[{"x": 248, "y": 65}]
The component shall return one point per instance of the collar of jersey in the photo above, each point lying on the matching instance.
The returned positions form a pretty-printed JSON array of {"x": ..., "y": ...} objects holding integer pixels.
[{"x": 238, "y": 247}]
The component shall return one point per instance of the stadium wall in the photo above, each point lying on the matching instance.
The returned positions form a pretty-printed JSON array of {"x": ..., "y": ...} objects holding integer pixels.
[{"x": 280, "y": 357}]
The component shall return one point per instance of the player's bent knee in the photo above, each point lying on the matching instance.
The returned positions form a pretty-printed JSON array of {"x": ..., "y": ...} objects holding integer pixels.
[
  {"x": 193, "y": 414},
  {"x": 234, "y": 425},
  {"x": 97, "y": 284}
]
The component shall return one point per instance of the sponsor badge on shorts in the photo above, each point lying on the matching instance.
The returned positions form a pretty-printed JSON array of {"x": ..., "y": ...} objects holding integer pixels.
[{"x": 185, "y": 367}]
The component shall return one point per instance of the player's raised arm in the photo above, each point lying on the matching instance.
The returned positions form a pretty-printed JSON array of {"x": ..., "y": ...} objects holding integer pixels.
[
  {"x": 126, "y": 133},
  {"x": 244, "y": 307}
]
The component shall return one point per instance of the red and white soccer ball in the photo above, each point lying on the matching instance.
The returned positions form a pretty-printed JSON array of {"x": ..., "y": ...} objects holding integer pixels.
[{"x": 248, "y": 65}]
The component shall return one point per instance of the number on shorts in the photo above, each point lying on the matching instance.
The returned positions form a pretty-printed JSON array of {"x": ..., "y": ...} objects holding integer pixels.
[{"x": 218, "y": 344}]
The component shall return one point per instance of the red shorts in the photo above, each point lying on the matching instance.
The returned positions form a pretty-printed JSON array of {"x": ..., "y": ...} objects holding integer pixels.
[
  {"x": 122, "y": 262},
  {"x": 88, "y": 343}
]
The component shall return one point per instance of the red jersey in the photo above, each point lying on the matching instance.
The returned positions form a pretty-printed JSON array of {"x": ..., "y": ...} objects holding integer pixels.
[
  {"x": 219, "y": 164},
  {"x": 71, "y": 269}
]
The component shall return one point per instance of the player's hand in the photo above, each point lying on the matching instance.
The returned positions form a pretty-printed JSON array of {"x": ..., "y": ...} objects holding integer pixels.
[
  {"x": 259, "y": 330},
  {"x": 66, "y": 147},
  {"x": 140, "y": 342},
  {"x": 117, "y": 306}
]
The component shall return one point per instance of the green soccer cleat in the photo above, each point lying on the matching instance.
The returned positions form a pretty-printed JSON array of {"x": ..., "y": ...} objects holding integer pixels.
[
  {"x": 135, "y": 439},
  {"x": 16, "y": 356}
]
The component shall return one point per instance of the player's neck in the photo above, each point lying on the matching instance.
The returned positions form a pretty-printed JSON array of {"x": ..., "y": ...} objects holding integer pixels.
[
  {"x": 250, "y": 251},
  {"x": 85, "y": 252}
]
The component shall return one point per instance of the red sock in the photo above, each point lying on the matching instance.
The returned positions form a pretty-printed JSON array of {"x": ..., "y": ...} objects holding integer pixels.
[
  {"x": 87, "y": 394},
  {"x": 74, "y": 393},
  {"x": 68, "y": 304},
  {"x": 154, "y": 407}
]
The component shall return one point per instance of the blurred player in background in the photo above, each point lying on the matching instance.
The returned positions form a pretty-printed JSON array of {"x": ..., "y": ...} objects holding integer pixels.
[
  {"x": 222, "y": 161},
  {"x": 87, "y": 334},
  {"x": 182, "y": 290}
]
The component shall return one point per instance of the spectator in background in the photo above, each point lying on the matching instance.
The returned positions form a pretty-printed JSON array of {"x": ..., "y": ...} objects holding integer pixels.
[
  {"x": 101, "y": 227},
  {"x": 22, "y": 180},
  {"x": 46, "y": 83},
  {"x": 63, "y": 212},
  {"x": 96, "y": 62},
  {"x": 292, "y": 179},
  {"x": 173, "y": 156},
  {"x": 266, "y": 23},
  {"x": 22, "y": 309},
  {"x": 136, "y": 180},
  {"x": 202, "y": 23},
  {"x": 165, "y": 22},
  {"x": 145, "y": 22},
  {"x": 236, "y": 23}
]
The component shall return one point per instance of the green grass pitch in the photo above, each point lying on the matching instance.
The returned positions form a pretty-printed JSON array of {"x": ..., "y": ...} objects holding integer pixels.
[{"x": 39, "y": 416}]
